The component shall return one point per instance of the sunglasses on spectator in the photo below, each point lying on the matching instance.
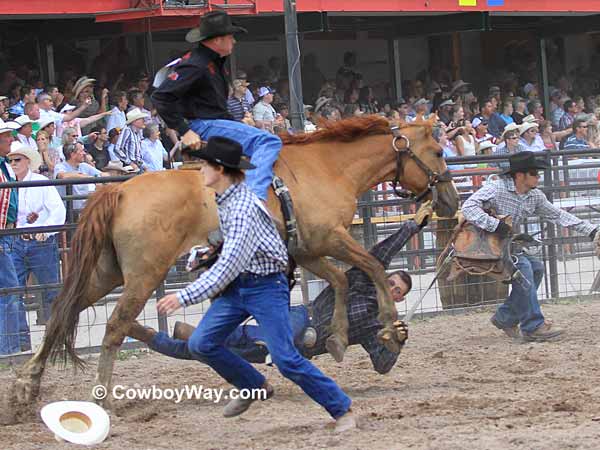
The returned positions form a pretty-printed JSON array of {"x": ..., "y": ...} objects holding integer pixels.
[
  {"x": 512, "y": 137},
  {"x": 14, "y": 160}
]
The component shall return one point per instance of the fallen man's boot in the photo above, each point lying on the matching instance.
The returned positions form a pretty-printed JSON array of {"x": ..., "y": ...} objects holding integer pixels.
[
  {"x": 183, "y": 331},
  {"x": 544, "y": 332},
  {"x": 239, "y": 405}
]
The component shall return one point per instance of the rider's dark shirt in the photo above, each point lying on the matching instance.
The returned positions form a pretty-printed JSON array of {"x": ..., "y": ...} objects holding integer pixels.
[{"x": 196, "y": 88}]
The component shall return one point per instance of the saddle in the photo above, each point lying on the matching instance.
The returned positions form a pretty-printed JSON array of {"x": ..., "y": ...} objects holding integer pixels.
[{"x": 474, "y": 251}]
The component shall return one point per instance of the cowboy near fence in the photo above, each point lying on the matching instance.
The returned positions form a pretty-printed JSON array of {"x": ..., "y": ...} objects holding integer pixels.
[{"x": 277, "y": 201}]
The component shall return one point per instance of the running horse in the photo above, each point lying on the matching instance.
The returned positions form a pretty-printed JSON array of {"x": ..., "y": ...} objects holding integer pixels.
[{"x": 130, "y": 234}]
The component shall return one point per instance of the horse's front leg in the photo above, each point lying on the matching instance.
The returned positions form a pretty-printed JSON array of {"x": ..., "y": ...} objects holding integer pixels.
[
  {"x": 346, "y": 249},
  {"x": 338, "y": 340}
]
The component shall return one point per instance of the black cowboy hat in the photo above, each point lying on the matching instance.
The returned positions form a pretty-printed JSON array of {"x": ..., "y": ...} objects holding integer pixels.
[
  {"x": 213, "y": 24},
  {"x": 524, "y": 162},
  {"x": 225, "y": 152}
]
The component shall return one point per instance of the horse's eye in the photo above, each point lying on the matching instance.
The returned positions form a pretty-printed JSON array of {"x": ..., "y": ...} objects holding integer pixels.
[{"x": 440, "y": 154}]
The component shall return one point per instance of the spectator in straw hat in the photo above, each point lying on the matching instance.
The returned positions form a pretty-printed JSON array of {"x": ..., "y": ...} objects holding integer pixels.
[
  {"x": 511, "y": 144},
  {"x": 35, "y": 253},
  {"x": 129, "y": 145}
]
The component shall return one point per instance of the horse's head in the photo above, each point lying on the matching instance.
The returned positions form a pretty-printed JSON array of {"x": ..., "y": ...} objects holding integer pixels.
[{"x": 423, "y": 169}]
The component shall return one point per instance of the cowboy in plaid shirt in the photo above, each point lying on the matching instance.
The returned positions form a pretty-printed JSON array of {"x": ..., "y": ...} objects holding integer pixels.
[
  {"x": 249, "y": 277},
  {"x": 517, "y": 196}
]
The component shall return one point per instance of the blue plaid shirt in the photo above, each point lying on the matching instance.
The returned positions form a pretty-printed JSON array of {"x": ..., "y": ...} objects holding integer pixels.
[
  {"x": 129, "y": 147},
  {"x": 251, "y": 244},
  {"x": 501, "y": 195}
]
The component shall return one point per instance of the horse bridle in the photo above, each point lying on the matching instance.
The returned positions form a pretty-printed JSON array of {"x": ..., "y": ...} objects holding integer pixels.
[{"x": 434, "y": 177}]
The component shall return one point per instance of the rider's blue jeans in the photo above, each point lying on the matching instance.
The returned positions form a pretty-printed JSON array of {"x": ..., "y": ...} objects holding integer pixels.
[
  {"x": 522, "y": 306},
  {"x": 266, "y": 298},
  {"x": 262, "y": 147}
]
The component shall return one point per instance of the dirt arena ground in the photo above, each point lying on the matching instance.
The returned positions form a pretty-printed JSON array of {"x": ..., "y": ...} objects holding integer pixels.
[{"x": 460, "y": 384}]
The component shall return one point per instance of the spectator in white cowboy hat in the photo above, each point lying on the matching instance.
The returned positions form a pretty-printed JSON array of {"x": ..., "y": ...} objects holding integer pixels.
[
  {"x": 25, "y": 131},
  {"x": 9, "y": 206},
  {"x": 35, "y": 253},
  {"x": 530, "y": 138},
  {"x": 48, "y": 125},
  {"x": 129, "y": 145},
  {"x": 263, "y": 112},
  {"x": 83, "y": 93},
  {"x": 511, "y": 144},
  {"x": 487, "y": 148},
  {"x": 76, "y": 167},
  {"x": 118, "y": 119}
]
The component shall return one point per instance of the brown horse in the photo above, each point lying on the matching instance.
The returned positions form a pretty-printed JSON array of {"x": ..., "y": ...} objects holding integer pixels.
[{"x": 131, "y": 234}]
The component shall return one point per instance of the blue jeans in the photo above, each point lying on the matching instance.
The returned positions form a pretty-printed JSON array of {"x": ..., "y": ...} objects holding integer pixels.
[
  {"x": 41, "y": 259},
  {"x": 522, "y": 306},
  {"x": 243, "y": 340},
  {"x": 266, "y": 298},
  {"x": 260, "y": 146},
  {"x": 9, "y": 304}
]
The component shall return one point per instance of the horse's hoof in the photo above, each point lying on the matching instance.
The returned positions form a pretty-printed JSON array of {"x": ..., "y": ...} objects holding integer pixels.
[
  {"x": 390, "y": 340},
  {"x": 24, "y": 391},
  {"x": 336, "y": 347}
]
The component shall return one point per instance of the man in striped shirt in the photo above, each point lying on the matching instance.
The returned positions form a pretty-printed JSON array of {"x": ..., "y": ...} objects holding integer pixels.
[
  {"x": 237, "y": 105},
  {"x": 248, "y": 280}
]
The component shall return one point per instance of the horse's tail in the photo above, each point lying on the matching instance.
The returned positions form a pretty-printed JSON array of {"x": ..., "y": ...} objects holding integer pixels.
[{"x": 92, "y": 235}]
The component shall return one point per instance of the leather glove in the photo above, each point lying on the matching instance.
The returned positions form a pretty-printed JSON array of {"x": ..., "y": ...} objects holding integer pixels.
[
  {"x": 423, "y": 214},
  {"x": 503, "y": 229},
  {"x": 596, "y": 241},
  {"x": 401, "y": 331}
]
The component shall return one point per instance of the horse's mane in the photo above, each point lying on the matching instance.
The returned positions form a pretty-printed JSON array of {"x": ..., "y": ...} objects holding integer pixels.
[{"x": 347, "y": 130}]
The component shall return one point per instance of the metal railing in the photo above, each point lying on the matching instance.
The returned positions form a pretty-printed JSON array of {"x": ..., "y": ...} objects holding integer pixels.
[{"x": 568, "y": 259}]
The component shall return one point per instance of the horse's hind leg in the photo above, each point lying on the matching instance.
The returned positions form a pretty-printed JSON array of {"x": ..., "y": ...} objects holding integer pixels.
[
  {"x": 129, "y": 306},
  {"x": 105, "y": 278},
  {"x": 346, "y": 249},
  {"x": 338, "y": 341}
]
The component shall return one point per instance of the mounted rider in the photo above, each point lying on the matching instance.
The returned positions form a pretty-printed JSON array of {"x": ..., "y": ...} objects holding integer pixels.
[{"x": 192, "y": 99}]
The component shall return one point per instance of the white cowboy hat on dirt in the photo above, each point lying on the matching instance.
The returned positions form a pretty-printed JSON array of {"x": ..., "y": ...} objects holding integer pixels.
[
  {"x": 135, "y": 114},
  {"x": 23, "y": 120},
  {"x": 18, "y": 148},
  {"x": 83, "y": 423}
]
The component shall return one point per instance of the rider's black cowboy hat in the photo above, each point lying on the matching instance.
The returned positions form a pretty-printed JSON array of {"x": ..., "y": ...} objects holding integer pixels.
[
  {"x": 225, "y": 152},
  {"x": 213, "y": 24},
  {"x": 524, "y": 162}
]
